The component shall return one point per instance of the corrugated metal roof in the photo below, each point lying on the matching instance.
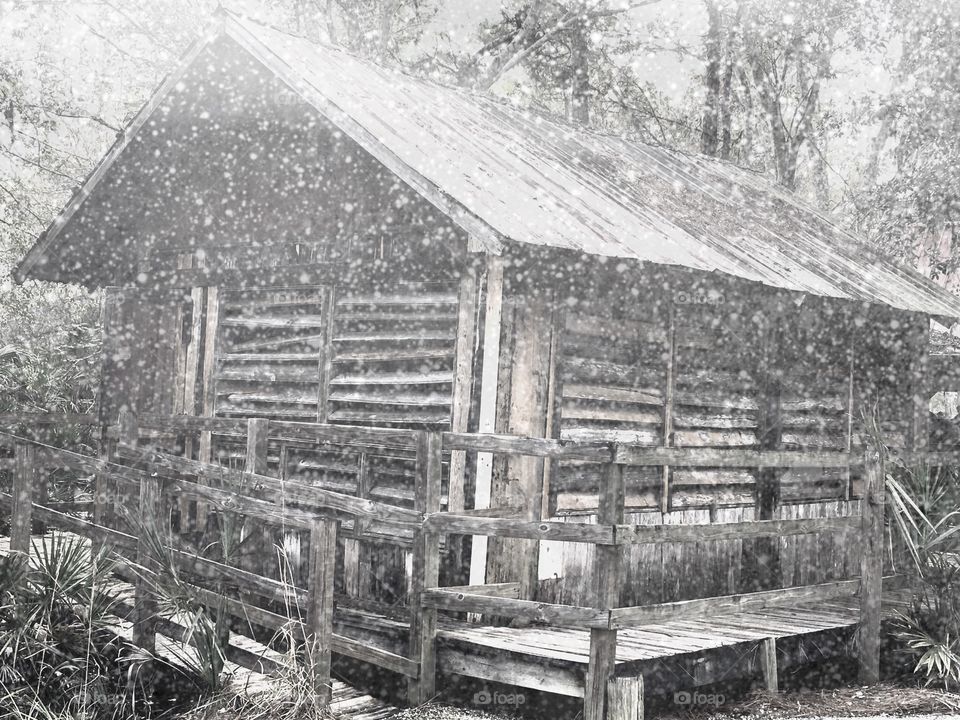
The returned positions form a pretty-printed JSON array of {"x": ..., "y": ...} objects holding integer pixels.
[
  {"x": 505, "y": 174},
  {"x": 537, "y": 181}
]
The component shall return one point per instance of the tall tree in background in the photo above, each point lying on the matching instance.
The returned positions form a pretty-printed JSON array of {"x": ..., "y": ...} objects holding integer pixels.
[
  {"x": 567, "y": 48},
  {"x": 382, "y": 30},
  {"x": 766, "y": 62},
  {"x": 914, "y": 206}
]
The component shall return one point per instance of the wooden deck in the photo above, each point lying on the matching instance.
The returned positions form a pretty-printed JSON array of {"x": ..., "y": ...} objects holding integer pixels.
[
  {"x": 608, "y": 654},
  {"x": 692, "y": 652},
  {"x": 672, "y": 655}
]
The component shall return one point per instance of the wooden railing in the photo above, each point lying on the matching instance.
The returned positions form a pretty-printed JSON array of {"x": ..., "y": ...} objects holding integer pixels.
[{"x": 157, "y": 478}]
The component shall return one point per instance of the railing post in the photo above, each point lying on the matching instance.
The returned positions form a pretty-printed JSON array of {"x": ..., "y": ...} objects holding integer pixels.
[
  {"x": 607, "y": 559},
  {"x": 21, "y": 516},
  {"x": 102, "y": 491},
  {"x": 871, "y": 565},
  {"x": 426, "y": 569},
  {"x": 255, "y": 461},
  {"x": 323, "y": 562},
  {"x": 149, "y": 522}
]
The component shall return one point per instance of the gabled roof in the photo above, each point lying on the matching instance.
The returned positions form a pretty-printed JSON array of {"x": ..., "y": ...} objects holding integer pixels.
[{"x": 507, "y": 175}]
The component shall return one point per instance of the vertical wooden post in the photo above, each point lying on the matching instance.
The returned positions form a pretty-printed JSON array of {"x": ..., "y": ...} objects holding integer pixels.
[
  {"x": 102, "y": 490},
  {"x": 871, "y": 565},
  {"x": 625, "y": 698},
  {"x": 21, "y": 517},
  {"x": 668, "y": 406},
  {"x": 489, "y": 383},
  {"x": 603, "y": 643},
  {"x": 467, "y": 302},
  {"x": 764, "y": 553},
  {"x": 768, "y": 663},
  {"x": 41, "y": 496},
  {"x": 526, "y": 413},
  {"x": 255, "y": 461},
  {"x": 323, "y": 562},
  {"x": 144, "y": 624},
  {"x": 426, "y": 570},
  {"x": 325, "y": 359},
  {"x": 211, "y": 327}
]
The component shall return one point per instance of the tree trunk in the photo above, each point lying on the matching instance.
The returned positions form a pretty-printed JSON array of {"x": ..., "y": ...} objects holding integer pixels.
[
  {"x": 580, "y": 74},
  {"x": 330, "y": 21},
  {"x": 709, "y": 128},
  {"x": 387, "y": 11}
]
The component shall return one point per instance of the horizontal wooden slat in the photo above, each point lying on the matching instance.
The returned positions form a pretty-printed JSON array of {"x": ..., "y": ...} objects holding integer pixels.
[
  {"x": 429, "y": 378},
  {"x": 385, "y": 416},
  {"x": 277, "y": 489},
  {"x": 641, "y": 534},
  {"x": 551, "y": 614},
  {"x": 393, "y": 355},
  {"x": 729, "y": 457},
  {"x": 418, "y": 299},
  {"x": 504, "y": 589},
  {"x": 649, "y": 614},
  {"x": 293, "y": 321},
  {"x": 516, "y": 445},
  {"x": 640, "y": 396},
  {"x": 387, "y": 397},
  {"x": 270, "y": 374},
  {"x": 408, "y": 336},
  {"x": 507, "y": 527},
  {"x": 574, "y": 411},
  {"x": 365, "y": 652}
]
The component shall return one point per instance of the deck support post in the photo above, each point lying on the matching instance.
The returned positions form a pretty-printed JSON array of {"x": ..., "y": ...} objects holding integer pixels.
[
  {"x": 603, "y": 643},
  {"x": 323, "y": 562},
  {"x": 152, "y": 523},
  {"x": 426, "y": 570},
  {"x": 255, "y": 461},
  {"x": 24, "y": 486},
  {"x": 871, "y": 565},
  {"x": 102, "y": 491},
  {"x": 625, "y": 698},
  {"x": 768, "y": 663}
]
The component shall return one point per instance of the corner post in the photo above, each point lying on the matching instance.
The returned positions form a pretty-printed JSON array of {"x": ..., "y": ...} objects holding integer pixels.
[
  {"x": 323, "y": 561},
  {"x": 603, "y": 642},
  {"x": 21, "y": 516},
  {"x": 871, "y": 565},
  {"x": 426, "y": 569}
]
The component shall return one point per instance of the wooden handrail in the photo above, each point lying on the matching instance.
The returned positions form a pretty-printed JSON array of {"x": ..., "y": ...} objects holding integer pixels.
[
  {"x": 458, "y": 524},
  {"x": 547, "y": 613},
  {"x": 273, "y": 488}
]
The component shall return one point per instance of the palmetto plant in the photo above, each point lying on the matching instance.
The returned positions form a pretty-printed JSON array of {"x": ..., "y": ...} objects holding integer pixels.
[
  {"x": 59, "y": 651},
  {"x": 924, "y": 514}
]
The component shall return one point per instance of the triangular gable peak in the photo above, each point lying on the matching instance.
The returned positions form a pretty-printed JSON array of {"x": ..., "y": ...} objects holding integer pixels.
[
  {"x": 224, "y": 158},
  {"x": 499, "y": 174}
]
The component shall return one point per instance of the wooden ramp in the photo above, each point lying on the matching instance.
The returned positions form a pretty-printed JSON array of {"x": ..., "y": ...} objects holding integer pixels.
[{"x": 347, "y": 702}]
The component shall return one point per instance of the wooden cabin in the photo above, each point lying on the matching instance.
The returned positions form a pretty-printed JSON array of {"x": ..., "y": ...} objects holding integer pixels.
[{"x": 286, "y": 231}]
